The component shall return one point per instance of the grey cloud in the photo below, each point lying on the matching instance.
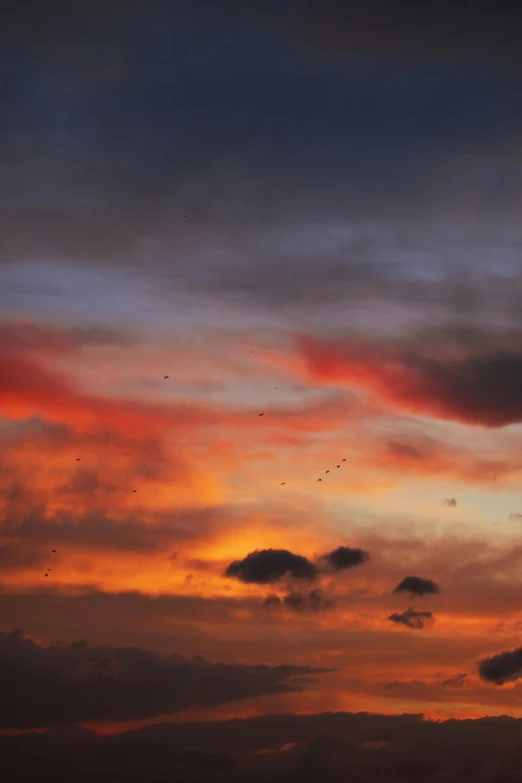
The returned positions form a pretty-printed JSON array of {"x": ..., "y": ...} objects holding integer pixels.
[{"x": 42, "y": 686}]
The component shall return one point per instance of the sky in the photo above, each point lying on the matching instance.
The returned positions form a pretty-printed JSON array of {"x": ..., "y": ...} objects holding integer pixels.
[{"x": 260, "y": 361}]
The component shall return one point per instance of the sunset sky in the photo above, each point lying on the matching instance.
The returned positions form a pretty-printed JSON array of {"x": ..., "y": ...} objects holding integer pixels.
[{"x": 288, "y": 208}]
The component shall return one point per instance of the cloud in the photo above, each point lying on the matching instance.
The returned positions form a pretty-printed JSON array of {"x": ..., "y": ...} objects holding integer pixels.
[
  {"x": 411, "y": 618},
  {"x": 43, "y": 686},
  {"x": 483, "y": 389},
  {"x": 297, "y": 601},
  {"x": 37, "y": 339},
  {"x": 450, "y": 502},
  {"x": 417, "y": 585},
  {"x": 314, "y": 601},
  {"x": 455, "y": 682},
  {"x": 345, "y": 557},
  {"x": 434, "y": 32},
  {"x": 501, "y": 668},
  {"x": 515, "y": 517},
  {"x": 271, "y": 565}
]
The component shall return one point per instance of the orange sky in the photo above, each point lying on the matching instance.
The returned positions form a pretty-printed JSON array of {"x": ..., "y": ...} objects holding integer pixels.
[{"x": 148, "y": 566}]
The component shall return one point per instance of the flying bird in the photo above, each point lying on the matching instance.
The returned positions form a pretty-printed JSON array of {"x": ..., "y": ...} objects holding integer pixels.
[
  {"x": 327, "y": 471},
  {"x": 283, "y": 482},
  {"x": 344, "y": 460},
  {"x": 54, "y": 550},
  {"x": 165, "y": 378},
  {"x": 338, "y": 466},
  {"x": 134, "y": 490},
  {"x": 319, "y": 479},
  {"x": 261, "y": 414},
  {"x": 78, "y": 459},
  {"x": 46, "y": 574}
]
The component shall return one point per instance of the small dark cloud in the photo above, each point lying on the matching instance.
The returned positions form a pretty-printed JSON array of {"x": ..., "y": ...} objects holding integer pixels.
[
  {"x": 450, "y": 502},
  {"x": 345, "y": 557},
  {"x": 43, "y": 686},
  {"x": 313, "y": 601},
  {"x": 272, "y": 600},
  {"x": 501, "y": 668},
  {"x": 417, "y": 585},
  {"x": 271, "y": 565},
  {"x": 455, "y": 682},
  {"x": 411, "y": 618},
  {"x": 515, "y": 517}
]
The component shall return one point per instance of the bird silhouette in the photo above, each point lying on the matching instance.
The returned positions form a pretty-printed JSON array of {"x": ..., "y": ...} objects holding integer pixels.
[
  {"x": 78, "y": 459},
  {"x": 319, "y": 479},
  {"x": 344, "y": 460},
  {"x": 46, "y": 574},
  {"x": 283, "y": 482},
  {"x": 327, "y": 471},
  {"x": 134, "y": 490},
  {"x": 338, "y": 466},
  {"x": 261, "y": 414},
  {"x": 54, "y": 550}
]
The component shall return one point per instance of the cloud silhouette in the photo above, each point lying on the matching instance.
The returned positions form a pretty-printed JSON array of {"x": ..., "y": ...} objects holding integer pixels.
[
  {"x": 455, "y": 682},
  {"x": 411, "y": 618},
  {"x": 312, "y": 601},
  {"x": 44, "y": 686},
  {"x": 264, "y": 566},
  {"x": 501, "y": 668},
  {"x": 345, "y": 557},
  {"x": 417, "y": 585},
  {"x": 484, "y": 389}
]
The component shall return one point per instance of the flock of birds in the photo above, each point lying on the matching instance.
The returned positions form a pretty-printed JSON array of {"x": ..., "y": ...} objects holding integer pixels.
[
  {"x": 284, "y": 482},
  {"x": 448, "y": 502}
]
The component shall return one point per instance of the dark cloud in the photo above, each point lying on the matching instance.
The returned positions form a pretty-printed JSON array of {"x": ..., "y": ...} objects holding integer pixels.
[
  {"x": 313, "y": 601},
  {"x": 42, "y": 686},
  {"x": 298, "y": 601},
  {"x": 515, "y": 517},
  {"x": 345, "y": 557},
  {"x": 435, "y": 32},
  {"x": 98, "y": 529},
  {"x": 411, "y": 618},
  {"x": 276, "y": 748},
  {"x": 417, "y": 585},
  {"x": 485, "y": 388},
  {"x": 456, "y": 682},
  {"x": 271, "y": 565},
  {"x": 501, "y": 668}
]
